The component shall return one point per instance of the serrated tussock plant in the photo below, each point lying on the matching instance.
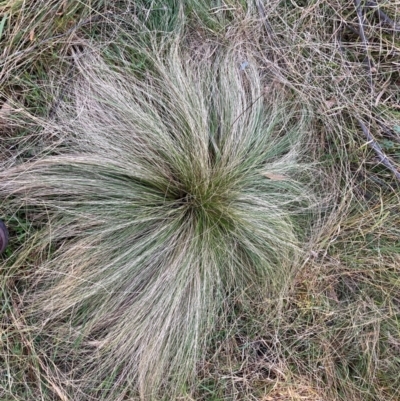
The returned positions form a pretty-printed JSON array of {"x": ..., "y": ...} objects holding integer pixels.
[{"x": 167, "y": 194}]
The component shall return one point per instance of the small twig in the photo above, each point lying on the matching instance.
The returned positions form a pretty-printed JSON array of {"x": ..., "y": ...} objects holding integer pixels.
[
  {"x": 364, "y": 40},
  {"x": 383, "y": 16},
  {"x": 267, "y": 25},
  {"x": 378, "y": 150},
  {"x": 246, "y": 109},
  {"x": 371, "y": 141}
]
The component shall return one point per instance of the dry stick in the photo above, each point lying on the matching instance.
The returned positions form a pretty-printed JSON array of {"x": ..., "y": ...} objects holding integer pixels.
[
  {"x": 378, "y": 150},
  {"x": 371, "y": 141},
  {"x": 267, "y": 25},
  {"x": 383, "y": 16},
  {"x": 395, "y": 28},
  {"x": 364, "y": 40}
]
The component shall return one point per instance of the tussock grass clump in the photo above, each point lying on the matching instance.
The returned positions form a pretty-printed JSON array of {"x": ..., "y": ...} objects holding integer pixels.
[{"x": 165, "y": 198}]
